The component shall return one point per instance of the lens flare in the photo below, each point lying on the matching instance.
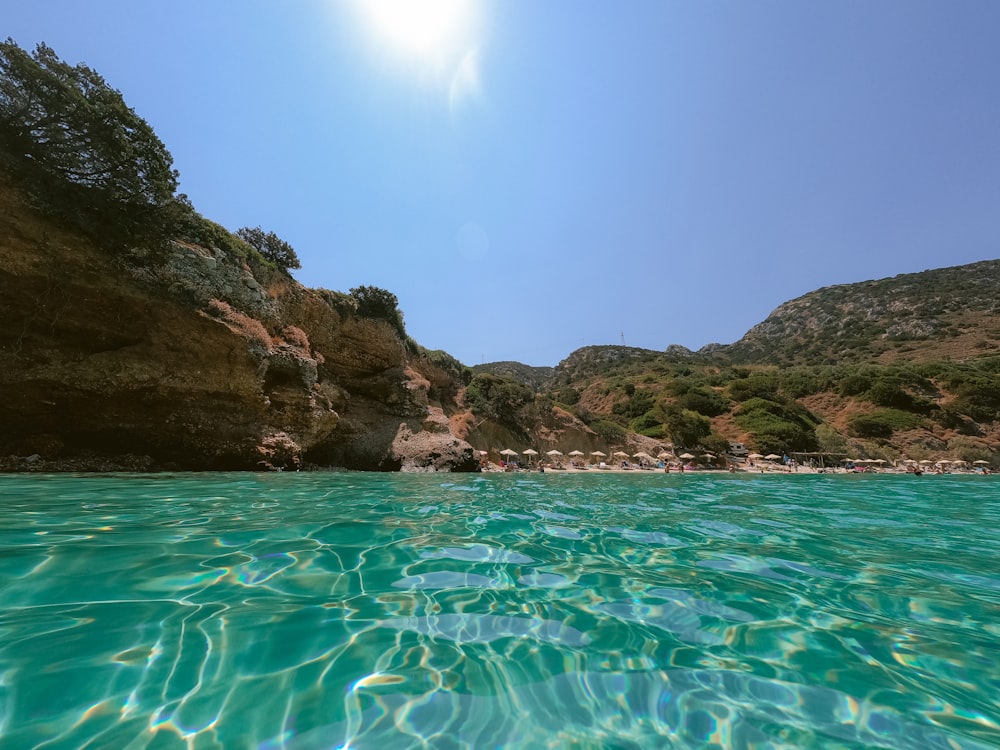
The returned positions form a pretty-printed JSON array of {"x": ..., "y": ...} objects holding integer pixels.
[{"x": 418, "y": 26}]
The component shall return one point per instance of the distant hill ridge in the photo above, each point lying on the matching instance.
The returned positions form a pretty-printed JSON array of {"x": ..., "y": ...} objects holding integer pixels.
[{"x": 945, "y": 313}]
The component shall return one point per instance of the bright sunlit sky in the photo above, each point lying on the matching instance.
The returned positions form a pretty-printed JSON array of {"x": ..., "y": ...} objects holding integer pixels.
[{"x": 533, "y": 176}]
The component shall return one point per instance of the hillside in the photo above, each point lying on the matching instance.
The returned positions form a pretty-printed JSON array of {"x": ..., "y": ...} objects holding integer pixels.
[
  {"x": 946, "y": 313},
  {"x": 906, "y": 366},
  {"x": 534, "y": 377}
]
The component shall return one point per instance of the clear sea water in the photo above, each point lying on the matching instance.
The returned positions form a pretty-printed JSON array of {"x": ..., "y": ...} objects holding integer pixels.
[{"x": 384, "y": 611}]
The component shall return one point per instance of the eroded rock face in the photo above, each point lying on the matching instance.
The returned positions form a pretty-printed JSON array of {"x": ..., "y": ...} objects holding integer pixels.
[
  {"x": 432, "y": 451},
  {"x": 193, "y": 362}
]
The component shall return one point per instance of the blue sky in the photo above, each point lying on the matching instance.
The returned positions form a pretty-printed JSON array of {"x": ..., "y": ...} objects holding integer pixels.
[{"x": 548, "y": 175}]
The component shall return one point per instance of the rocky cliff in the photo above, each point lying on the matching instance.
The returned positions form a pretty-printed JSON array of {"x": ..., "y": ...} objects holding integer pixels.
[{"x": 191, "y": 359}]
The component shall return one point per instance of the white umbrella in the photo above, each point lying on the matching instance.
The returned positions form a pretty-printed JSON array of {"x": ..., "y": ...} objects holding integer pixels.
[
  {"x": 530, "y": 452},
  {"x": 553, "y": 453},
  {"x": 685, "y": 455},
  {"x": 756, "y": 455},
  {"x": 620, "y": 454},
  {"x": 508, "y": 452},
  {"x": 575, "y": 453},
  {"x": 772, "y": 456},
  {"x": 663, "y": 454},
  {"x": 599, "y": 454},
  {"x": 984, "y": 463}
]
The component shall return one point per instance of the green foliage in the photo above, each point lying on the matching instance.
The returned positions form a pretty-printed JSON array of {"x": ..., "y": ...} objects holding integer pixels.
[
  {"x": 777, "y": 427},
  {"x": 715, "y": 443},
  {"x": 704, "y": 401},
  {"x": 855, "y": 383},
  {"x": 881, "y": 424},
  {"x": 608, "y": 431},
  {"x": 685, "y": 427},
  {"x": 647, "y": 424},
  {"x": 639, "y": 403},
  {"x": 379, "y": 304},
  {"x": 568, "y": 395},
  {"x": 979, "y": 397},
  {"x": 799, "y": 382},
  {"x": 828, "y": 440},
  {"x": 270, "y": 246},
  {"x": 756, "y": 386},
  {"x": 870, "y": 426},
  {"x": 498, "y": 398},
  {"x": 88, "y": 159}
]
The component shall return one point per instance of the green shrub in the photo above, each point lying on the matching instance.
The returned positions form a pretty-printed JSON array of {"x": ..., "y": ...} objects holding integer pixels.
[
  {"x": 683, "y": 426},
  {"x": 755, "y": 386},
  {"x": 777, "y": 427},
  {"x": 608, "y": 431},
  {"x": 881, "y": 424},
  {"x": 379, "y": 304},
  {"x": 270, "y": 246},
  {"x": 704, "y": 401},
  {"x": 497, "y": 398},
  {"x": 567, "y": 395},
  {"x": 639, "y": 403}
]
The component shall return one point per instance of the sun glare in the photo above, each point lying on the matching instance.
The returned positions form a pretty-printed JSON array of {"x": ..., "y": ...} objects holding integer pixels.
[{"x": 423, "y": 27}]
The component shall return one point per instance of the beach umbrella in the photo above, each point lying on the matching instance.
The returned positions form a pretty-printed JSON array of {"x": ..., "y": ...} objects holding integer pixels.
[
  {"x": 530, "y": 452},
  {"x": 554, "y": 453},
  {"x": 508, "y": 452},
  {"x": 756, "y": 455},
  {"x": 772, "y": 456},
  {"x": 620, "y": 454},
  {"x": 685, "y": 455},
  {"x": 663, "y": 454},
  {"x": 926, "y": 461},
  {"x": 981, "y": 462},
  {"x": 576, "y": 453},
  {"x": 708, "y": 455}
]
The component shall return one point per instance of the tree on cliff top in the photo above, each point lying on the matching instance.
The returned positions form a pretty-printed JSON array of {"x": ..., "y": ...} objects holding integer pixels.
[
  {"x": 271, "y": 246},
  {"x": 61, "y": 123},
  {"x": 380, "y": 304}
]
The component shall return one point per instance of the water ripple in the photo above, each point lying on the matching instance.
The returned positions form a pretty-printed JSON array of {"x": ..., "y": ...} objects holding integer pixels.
[{"x": 648, "y": 610}]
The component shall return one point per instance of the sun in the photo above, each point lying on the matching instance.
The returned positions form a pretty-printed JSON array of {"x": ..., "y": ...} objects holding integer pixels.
[{"x": 421, "y": 27}]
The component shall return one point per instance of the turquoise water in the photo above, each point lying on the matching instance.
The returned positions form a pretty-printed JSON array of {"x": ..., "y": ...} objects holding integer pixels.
[{"x": 527, "y": 610}]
